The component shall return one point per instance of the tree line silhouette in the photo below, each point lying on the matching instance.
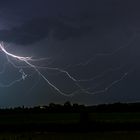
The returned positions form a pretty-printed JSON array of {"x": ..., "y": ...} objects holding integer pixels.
[
  {"x": 69, "y": 107},
  {"x": 28, "y": 118}
]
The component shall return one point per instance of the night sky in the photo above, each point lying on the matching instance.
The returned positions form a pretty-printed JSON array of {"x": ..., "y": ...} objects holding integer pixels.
[{"x": 95, "y": 44}]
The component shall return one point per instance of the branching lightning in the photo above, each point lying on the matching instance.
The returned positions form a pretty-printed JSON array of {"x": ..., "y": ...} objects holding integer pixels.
[
  {"x": 29, "y": 63},
  {"x": 97, "y": 55}
]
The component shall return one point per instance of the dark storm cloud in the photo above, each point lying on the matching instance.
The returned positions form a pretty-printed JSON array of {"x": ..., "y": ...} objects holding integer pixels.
[
  {"x": 27, "y": 33},
  {"x": 82, "y": 29},
  {"x": 38, "y": 29},
  {"x": 66, "y": 19}
]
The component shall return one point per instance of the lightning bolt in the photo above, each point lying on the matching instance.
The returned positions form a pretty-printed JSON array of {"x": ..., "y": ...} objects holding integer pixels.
[
  {"x": 28, "y": 64},
  {"x": 27, "y": 60},
  {"x": 97, "y": 55}
]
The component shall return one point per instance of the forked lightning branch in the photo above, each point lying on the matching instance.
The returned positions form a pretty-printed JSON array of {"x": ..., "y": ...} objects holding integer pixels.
[{"x": 28, "y": 61}]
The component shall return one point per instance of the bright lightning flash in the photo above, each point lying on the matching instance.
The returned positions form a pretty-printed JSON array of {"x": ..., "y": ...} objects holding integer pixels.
[{"x": 28, "y": 61}]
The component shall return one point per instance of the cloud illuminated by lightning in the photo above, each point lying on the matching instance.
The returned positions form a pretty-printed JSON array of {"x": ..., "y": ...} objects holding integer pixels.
[
  {"x": 27, "y": 61},
  {"x": 28, "y": 64}
]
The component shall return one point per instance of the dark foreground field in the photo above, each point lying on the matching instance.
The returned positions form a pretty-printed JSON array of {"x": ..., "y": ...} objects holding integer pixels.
[
  {"x": 103, "y": 122},
  {"x": 72, "y": 136}
]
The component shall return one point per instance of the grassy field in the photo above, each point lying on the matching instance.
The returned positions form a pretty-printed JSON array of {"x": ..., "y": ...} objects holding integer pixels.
[
  {"x": 115, "y": 117},
  {"x": 72, "y": 136},
  {"x": 43, "y": 118},
  {"x": 67, "y": 118},
  {"x": 48, "y": 119}
]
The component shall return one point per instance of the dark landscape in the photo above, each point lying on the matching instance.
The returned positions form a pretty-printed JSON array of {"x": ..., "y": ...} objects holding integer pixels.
[
  {"x": 71, "y": 121},
  {"x": 69, "y": 70}
]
